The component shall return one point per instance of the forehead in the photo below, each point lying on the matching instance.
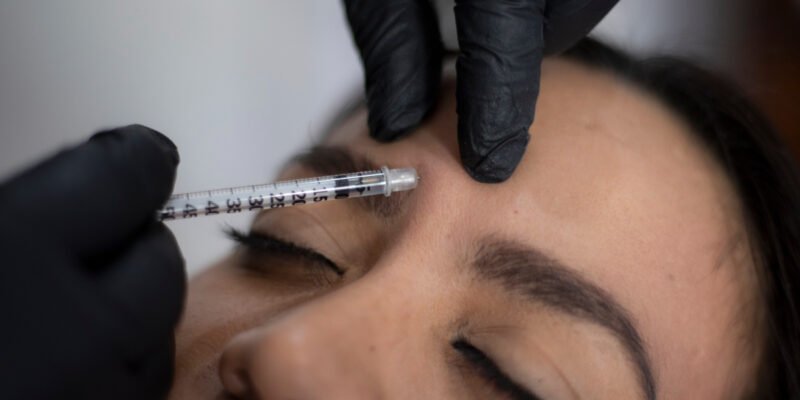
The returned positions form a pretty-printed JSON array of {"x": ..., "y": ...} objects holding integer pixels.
[{"x": 612, "y": 184}]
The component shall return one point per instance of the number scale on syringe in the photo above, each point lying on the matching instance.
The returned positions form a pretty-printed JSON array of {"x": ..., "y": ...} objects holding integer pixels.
[{"x": 288, "y": 193}]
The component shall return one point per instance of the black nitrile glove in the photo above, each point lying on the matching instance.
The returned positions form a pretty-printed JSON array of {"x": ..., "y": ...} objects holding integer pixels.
[
  {"x": 501, "y": 43},
  {"x": 91, "y": 286}
]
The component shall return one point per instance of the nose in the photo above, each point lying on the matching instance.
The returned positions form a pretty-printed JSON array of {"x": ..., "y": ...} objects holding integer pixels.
[{"x": 337, "y": 346}]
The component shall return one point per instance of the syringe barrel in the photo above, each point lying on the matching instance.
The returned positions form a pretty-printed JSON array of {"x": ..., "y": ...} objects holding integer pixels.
[{"x": 288, "y": 193}]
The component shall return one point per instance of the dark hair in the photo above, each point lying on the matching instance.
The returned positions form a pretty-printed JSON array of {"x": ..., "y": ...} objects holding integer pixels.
[
  {"x": 762, "y": 171},
  {"x": 767, "y": 180}
]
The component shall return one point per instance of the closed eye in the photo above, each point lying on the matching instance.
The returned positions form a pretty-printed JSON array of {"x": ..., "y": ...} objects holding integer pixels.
[
  {"x": 265, "y": 243},
  {"x": 491, "y": 373}
]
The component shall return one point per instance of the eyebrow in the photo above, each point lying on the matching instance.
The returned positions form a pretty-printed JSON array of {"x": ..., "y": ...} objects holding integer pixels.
[
  {"x": 333, "y": 160},
  {"x": 520, "y": 268},
  {"x": 544, "y": 280}
]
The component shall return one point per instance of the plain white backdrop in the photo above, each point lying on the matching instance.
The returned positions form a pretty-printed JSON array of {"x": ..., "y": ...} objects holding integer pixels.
[{"x": 238, "y": 85}]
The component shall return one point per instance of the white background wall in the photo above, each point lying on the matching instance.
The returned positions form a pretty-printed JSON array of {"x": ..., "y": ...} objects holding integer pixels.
[{"x": 238, "y": 85}]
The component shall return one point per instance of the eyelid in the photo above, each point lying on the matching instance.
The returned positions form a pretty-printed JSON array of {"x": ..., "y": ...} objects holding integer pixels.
[
  {"x": 489, "y": 371},
  {"x": 265, "y": 242}
]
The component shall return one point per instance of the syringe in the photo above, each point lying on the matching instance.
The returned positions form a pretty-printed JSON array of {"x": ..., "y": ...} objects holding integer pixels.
[{"x": 289, "y": 193}]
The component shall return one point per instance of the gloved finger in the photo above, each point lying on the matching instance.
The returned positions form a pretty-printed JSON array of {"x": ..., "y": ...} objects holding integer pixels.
[
  {"x": 100, "y": 334},
  {"x": 93, "y": 198},
  {"x": 146, "y": 284},
  {"x": 571, "y": 20},
  {"x": 153, "y": 378},
  {"x": 498, "y": 82},
  {"x": 401, "y": 52},
  {"x": 40, "y": 294}
]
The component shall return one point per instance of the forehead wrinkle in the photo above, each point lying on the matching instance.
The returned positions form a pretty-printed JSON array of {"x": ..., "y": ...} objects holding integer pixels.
[{"x": 532, "y": 274}]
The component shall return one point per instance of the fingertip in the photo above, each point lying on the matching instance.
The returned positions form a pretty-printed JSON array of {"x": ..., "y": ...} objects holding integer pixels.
[
  {"x": 498, "y": 83},
  {"x": 111, "y": 187},
  {"x": 500, "y": 163},
  {"x": 142, "y": 158},
  {"x": 401, "y": 52},
  {"x": 166, "y": 143},
  {"x": 161, "y": 141}
]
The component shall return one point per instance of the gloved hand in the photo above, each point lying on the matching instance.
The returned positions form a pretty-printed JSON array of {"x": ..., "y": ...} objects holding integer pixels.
[
  {"x": 501, "y": 43},
  {"x": 91, "y": 286}
]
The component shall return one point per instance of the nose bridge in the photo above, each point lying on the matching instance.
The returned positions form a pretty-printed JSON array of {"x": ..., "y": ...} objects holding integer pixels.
[
  {"x": 373, "y": 303},
  {"x": 369, "y": 338},
  {"x": 343, "y": 344}
]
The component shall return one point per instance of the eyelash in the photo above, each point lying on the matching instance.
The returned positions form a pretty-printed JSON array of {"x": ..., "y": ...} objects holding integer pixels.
[
  {"x": 270, "y": 245},
  {"x": 489, "y": 371}
]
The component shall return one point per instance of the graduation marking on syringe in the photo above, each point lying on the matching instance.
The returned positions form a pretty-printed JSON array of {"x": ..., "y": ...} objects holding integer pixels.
[{"x": 289, "y": 193}]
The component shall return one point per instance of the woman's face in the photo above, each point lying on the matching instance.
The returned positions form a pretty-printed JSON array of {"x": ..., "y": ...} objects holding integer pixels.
[{"x": 612, "y": 264}]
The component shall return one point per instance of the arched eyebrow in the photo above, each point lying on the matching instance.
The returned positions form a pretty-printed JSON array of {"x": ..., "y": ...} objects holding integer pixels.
[
  {"x": 532, "y": 275},
  {"x": 521, "y": 269},
  {"x": 332, "y": 160}
]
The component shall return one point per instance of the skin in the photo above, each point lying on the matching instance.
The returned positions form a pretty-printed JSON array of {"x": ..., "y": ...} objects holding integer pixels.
[{"x": 613, "y": 185}]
